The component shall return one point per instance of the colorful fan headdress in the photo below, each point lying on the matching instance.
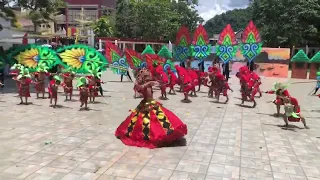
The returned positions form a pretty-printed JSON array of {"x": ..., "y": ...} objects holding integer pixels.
[
  {"x": 42, "y": 67},
  {"x": 135, "y": 59},
  {"x": 95, "y": 72},
  {"x": 81, "y": 58},
  {"x": 115, "y": 57},
  {"x": 17, "y": 67},
  {"x": 57, "y": 78},
  {"x": 24, "y": 72},
  {"x": 31, "y": 56},
  {"x": 200, "y": 45},
  {"x": 279, "y": 85},
  {"x": 81, "y": 81},
  {"x": 251, "y": 42},
  {"x": 226, "y": 47},
  {"x": 181, "y": 51}
]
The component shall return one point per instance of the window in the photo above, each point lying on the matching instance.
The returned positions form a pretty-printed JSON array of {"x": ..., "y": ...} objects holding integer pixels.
[{"x": 299, "y": 65}]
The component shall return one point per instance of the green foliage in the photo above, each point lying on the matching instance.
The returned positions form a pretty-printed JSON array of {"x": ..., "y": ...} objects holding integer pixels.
[
  {"x": 41, "y": 10},
  {"x": 7, "y": 13},
  {"x": 104, "y": 26},
  {"x": 154, "y": 19},
  {"x": 288, "y": 23},
  {"x": 237, "y": 18}
]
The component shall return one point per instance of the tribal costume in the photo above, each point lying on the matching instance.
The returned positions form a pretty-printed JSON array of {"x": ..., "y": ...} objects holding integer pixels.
[
  {"x": 150, "y": 125},
  {"x": 173, "y": 80},
  {"x": 67, "y": 83},
  {"x": 24, "y": 79},
  {"x": 53, "y": 89},
  {"x": 246, "y": 83},
  {"x": 281, "y": 92},
  {"x": 163, "y": 81},
  {"x": 83, "y": 91},
  {"x": 42, "y": 72},
  {"x": 292, "y": 111},
  {"x": 185, "y": 82}
]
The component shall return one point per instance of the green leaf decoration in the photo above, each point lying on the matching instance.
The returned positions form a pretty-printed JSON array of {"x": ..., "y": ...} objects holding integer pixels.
[
  {"x": 82, "y": 58},
  {"x": 31, "y": 56},
  {"x": 300, "y": 57},
  {"x": 316, "y": 58},
  {"x": 165, "y": 52},
  {"x": 148, "y": 50}
]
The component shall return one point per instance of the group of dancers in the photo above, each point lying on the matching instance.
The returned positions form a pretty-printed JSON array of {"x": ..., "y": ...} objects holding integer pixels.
[
  {"x": 151, "y": 125},
  {"x": 88, "y": 86}
]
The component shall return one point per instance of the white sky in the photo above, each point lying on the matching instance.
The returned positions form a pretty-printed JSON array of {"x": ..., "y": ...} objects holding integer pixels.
[{"x": 209, "y": 8}]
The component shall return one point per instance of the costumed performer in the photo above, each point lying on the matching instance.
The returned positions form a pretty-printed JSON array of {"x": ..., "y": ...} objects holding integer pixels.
[
  {"x": 163, "y": 81},
  {"x": 293, "y": 112},
  {"x": 185, "y": 83},
  {"x": 246, "y": 85},
  {"x": 93, "y": 79},
  {"x": 39, "y": 77},
  {"x": 173, "y": 80},
  {"x": 280, "y": 89},
  {"x": 24, "y": 79},
  {"x": 67, "y": 83},
  {"x": 84, "y": 92},
  {"x": 317, "y": 84},
  {"x": 150, "y": 124},
  {"x": 53, "y": 89},
  {"x": 15, "y": 71}
]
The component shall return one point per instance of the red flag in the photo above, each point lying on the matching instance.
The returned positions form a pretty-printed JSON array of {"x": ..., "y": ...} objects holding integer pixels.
[{"x": 25, "y": 39}]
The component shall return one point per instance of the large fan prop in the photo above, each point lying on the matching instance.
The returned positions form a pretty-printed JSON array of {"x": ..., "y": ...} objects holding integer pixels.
[
  {"x": 81, "y": 58},
  {"x": 31, "y": 56},
  {"x": 226, "y": 47},
  {"x": 251, "y": 42},
  {"x": 200, "y": 45},
  {"x": 116, "y": 58}
]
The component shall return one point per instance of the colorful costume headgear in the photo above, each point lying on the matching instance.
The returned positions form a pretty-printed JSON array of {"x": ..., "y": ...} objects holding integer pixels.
[
  {"x": 94, "y": 71},
  {"x": 24, "y": 73},
  {"x": 42, "y": 67},
  {"x": 279, "y": 85},
  {"x": 17, "y": 66},
  {"x": 81, "y": 82},
  {"x": 57, "y": 78}
]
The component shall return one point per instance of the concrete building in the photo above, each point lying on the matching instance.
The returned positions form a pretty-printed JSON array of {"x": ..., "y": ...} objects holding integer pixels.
[{"x": 79, "y": 12}]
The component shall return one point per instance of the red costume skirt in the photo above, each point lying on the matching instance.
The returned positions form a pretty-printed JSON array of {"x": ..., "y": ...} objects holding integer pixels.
[
  {"x": 150, "y": 125},
  {"x": 188, "y": 87},
  {"x": 83, "y": 98},
  {"x": 93, "y": 90},
  {"x": 40, "y": 87},
  {"x": 24, "y": 92},
  {"x": 68, "y": 90},
  {"x": 53, "y": 94}
]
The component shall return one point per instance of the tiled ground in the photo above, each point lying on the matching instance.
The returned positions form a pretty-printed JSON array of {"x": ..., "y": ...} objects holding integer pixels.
[{"x": 225, "y": 141}]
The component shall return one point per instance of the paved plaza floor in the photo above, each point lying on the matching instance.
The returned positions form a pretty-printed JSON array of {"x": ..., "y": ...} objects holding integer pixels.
[{"x": 224, "y": 141}]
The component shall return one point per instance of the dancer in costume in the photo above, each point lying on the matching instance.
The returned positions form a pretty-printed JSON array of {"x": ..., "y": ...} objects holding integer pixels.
[
  {"x": 292, "y": 111},
  {"x": 163, "y": 82},
  {"x": 173, "y": 80},
  {"x": 280, "y": 89},
  {"x": 317, "y": 84},
  {"x": 185, "y": 83},
  {"x": 24, "y": 79},
  {"x": 53, "y": 89},
  {"x": 39, "y": 76},
  {"x": 67, "y": 83},
  {"x": 246, "y": 85},
  {"x": 84, "y": 92},
  {"x": 256, "y": 81},
  {"x": 15, "y": 71},
  {"x": 93, "y": 79},
  {"x": 150, "y": 125}
]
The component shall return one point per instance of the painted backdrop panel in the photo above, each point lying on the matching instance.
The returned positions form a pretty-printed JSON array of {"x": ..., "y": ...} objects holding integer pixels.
[{"x": 272, "y": 62}]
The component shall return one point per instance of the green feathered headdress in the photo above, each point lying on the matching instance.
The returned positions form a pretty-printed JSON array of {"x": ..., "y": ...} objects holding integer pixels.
[
  {"x": 24, "y": 72},
  {"x": 42, "y": 67},
  {"x": 279, "y": 85},
  {"x": 94, "y": 71},
  {"x": 81, "y": 81},
  {"x": 57, "y": 78},
  {"x": 69, "y": 70},
  {"x": 17, "y": 67}
]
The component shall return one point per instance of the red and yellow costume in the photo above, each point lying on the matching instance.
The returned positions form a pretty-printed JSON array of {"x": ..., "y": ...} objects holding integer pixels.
[
  {"x": 67, "y": 83},
  {"x": 150, "y": 125}
]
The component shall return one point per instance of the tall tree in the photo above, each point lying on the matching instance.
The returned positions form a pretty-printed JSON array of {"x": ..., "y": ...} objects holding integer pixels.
[
  {"x": 288, "y": 23},
  {"x": 7, "y": 13},
  {"x": 104, "y": 26},
  {"x": 41, "y": 10},
  {"x": 154, "y": 19},
  {"x": 237, "y": 18}
]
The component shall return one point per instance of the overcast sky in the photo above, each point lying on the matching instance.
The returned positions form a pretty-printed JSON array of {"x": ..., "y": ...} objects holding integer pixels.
[{"x": 210, "y": 8}]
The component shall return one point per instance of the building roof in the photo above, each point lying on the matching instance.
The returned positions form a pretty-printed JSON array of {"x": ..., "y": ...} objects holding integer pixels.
[{"x": 107, "y": 3}]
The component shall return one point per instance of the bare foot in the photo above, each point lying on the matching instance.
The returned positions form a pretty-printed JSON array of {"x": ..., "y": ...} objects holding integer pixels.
[{"x": 307, "y": 127}]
